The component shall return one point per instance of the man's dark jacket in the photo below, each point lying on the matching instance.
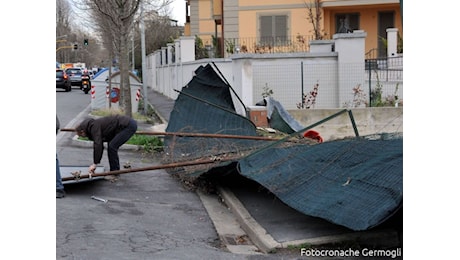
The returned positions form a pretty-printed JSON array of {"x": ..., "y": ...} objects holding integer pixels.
[{"x": 102, "y": 130}]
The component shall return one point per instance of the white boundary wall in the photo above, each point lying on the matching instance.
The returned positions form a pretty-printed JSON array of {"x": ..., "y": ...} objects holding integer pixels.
[{"x": 336, "y": 65}]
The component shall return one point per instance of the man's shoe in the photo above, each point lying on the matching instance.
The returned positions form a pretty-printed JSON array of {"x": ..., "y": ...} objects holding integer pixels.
[
  {"x": 60, "y": 194},
  {"x": 112, "y": 178}
]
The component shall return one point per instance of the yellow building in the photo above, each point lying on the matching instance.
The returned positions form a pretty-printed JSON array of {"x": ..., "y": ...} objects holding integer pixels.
[{"x": 229, "y": 26}]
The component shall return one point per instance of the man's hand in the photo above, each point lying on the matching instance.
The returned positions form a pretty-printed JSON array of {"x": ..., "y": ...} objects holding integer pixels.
[{"x": 92, "y": 168}]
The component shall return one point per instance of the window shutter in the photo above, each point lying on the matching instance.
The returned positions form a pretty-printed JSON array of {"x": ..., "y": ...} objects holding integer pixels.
[
  {"x": 280, "y": 26},
  {"x": 265, "y": 26},
  {"x": 273, "y": 28}
]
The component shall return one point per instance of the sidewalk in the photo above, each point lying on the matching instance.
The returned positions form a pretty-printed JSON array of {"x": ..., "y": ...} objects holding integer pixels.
[
  {"x": 270, "y": 224},
  {"x": 144, "y": 215}
]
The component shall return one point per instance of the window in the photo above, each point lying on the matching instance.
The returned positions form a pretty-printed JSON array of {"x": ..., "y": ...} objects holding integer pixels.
[
  {"x": 273, "y": 29},
  {"x": 345, "y": 23}
]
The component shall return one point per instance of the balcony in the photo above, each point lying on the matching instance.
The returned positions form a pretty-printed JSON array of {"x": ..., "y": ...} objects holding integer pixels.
[{"x": 261, "y": 45}]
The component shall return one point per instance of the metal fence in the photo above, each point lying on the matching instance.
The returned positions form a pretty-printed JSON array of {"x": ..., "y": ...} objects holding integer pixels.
[
  {"x": 284, "y": 44},
  {"x": 293, "y": 83},
  {"x": 384, "y": 79},
  {"x": 309, "y": 86}
]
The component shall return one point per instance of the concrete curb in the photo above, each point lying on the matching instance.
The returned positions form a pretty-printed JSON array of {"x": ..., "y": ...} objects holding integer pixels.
[
  {"x": 258, "y": 235},
  {"x": 266, "y": 243},
  {"x": 227, "y": 226},
  {"x": 162, "y": 119}
]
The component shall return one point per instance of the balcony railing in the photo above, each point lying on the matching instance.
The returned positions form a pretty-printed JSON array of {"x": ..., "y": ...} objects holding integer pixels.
[{"x": 260, "y": 45}]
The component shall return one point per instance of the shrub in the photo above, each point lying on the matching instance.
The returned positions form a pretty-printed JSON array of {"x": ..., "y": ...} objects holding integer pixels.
[{"x": 149, "y": 143}]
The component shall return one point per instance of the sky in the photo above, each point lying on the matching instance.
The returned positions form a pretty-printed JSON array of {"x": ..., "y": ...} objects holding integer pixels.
[{"x": 178, "y": 11}]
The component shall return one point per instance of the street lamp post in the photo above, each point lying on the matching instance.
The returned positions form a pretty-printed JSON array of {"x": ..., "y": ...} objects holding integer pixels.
[{"x": 144, "y": 86}]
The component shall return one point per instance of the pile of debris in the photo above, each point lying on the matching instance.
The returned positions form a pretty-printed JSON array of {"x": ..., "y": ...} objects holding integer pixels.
[{"x": 354, "y": 182}]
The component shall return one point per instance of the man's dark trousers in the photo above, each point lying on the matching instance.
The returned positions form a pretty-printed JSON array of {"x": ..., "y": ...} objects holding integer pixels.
[{"x": 119, "y": 139}]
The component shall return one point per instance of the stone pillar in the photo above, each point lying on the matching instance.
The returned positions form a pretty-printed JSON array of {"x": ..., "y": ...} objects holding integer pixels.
[
  {"x": 243, "y": 79},
  {"x": 392, "y": 42},
  {"x": 164, "y": 59},
  {"x": 350, "y": 48},
  {"x": 160, "y": 54},
  {"x": 177, "y": 51},
  {"x": 157, "y": 58},
  {"x": 169, "y": 48},
  {"x": 156, "y": 62},
  {"x": 187, "y": 48},
  {"x": 148, "y": 75}
]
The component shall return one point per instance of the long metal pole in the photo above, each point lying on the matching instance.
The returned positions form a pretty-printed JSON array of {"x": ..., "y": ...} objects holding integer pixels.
[
  {"x": 144, "y": 86},
  {"x": 150, "y": 168},
  {"x": 370, "y": 89},
  {"x": 301, "y": 83},
  {"x": 133, "y": 60},
  {"x": 228, "y": 136},
  {"x": 247, "y": 137},
  {"x": 309, "y": 127}
]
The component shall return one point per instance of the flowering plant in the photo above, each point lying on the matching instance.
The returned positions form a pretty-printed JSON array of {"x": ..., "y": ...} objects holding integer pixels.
[
  {"x": 359, "y": 98},
  {"x": 309, "y": 100}
]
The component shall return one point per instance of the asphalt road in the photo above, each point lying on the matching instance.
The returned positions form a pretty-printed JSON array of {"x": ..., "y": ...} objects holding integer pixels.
[
  {"x": 149, "y": 215},
  {"x": 70, "y": 104}
]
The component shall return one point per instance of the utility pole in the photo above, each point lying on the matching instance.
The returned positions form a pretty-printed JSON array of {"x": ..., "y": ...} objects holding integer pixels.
[
  {"x": 132, "y": 53},
  {"x": 144, "y": 86}
]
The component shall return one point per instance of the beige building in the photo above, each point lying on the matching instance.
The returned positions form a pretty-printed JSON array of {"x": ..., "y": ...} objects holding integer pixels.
[{"x": 229, "y": 26}]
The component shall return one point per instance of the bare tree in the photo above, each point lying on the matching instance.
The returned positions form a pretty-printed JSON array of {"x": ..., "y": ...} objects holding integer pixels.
[
  {"x": 314, "y": 16},
  {"x": 109, "y": 40},
  {"x": 114, "y": 20},
  {"x": 119, "y": 16},
  {"x": 158, "y": 28},
  {"x": 158, "y": 32},
  {"x": 63, "y": 28}
]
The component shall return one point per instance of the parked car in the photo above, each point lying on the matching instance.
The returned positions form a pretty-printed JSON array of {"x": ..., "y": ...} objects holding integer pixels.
[
  {"x": 75, "y": 76},
  {"x": 63, "y": 80}
]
